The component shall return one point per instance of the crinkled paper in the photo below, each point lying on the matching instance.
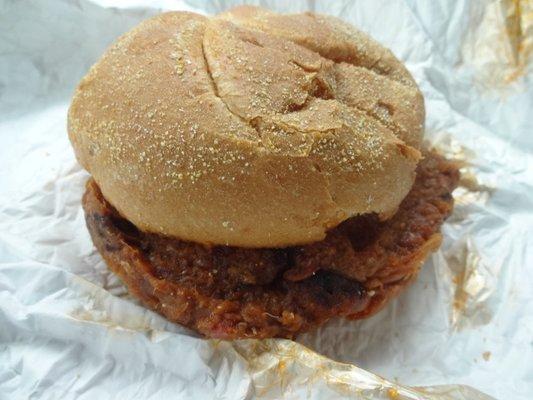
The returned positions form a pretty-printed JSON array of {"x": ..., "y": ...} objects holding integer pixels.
[{"x": 68, "y": 328}]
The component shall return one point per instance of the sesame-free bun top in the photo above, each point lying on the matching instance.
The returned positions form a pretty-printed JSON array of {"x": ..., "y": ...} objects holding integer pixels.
[{"x": 249, "y": 128}]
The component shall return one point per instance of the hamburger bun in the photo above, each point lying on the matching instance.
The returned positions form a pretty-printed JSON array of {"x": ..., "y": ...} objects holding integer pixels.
[{"x": 248, "y": 129}]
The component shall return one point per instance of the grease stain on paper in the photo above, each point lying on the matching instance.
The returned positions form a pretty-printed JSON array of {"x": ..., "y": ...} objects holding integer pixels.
[
  {"x": 393, "y": 394},
  {"x": 472, "y": 277},
  {"x": 93, "y": 311},
  {"x": 473, "y": 285},
  {"x": 278, "y": 365},
  {"x": 500, "y": 46}
]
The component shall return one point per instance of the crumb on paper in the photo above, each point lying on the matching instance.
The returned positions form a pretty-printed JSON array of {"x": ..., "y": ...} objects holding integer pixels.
[{"x": 487, "y": 355}]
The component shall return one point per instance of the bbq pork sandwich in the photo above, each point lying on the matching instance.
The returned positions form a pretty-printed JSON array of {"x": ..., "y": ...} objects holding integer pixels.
[{"x": 256, "y": 174}]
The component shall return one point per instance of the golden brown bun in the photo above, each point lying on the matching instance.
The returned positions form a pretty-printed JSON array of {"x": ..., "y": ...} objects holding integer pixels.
[{"x": 249, "y": 129}]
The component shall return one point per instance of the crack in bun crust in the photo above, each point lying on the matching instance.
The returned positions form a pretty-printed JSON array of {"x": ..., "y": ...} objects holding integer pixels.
[{"x": 249, "y": 128}]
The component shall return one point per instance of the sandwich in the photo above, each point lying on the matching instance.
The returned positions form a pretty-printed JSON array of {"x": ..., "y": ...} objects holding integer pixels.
[{"x": 255, "y": 175}]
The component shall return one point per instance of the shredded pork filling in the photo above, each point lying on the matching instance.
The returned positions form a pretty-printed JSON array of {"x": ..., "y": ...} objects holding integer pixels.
[{"x": 230, "y": 292}]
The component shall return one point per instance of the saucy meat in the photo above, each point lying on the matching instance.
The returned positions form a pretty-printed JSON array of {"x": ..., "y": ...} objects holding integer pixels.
[{"x": 229, "y": 292}]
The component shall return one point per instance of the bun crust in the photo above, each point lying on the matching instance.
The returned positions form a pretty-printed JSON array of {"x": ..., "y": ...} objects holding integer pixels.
[{"x": 249, "y": 129}]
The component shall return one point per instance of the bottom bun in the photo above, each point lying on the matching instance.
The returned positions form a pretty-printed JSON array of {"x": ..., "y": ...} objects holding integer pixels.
[{"x": 231, "y": 293}]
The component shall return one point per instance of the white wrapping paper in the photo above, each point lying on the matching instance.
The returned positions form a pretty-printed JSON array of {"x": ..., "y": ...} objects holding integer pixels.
[{"x": 68, "y": 328}]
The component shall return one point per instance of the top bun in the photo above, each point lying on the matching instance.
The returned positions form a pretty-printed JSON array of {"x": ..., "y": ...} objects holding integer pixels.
[{"x": 249, "y": 128}]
